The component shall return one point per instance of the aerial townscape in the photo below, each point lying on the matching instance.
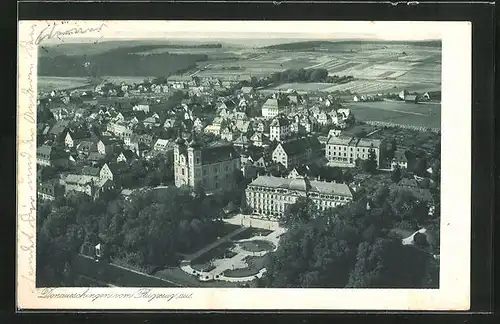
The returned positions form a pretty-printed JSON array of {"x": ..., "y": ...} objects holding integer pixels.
[{"x": 306, "y": 164}]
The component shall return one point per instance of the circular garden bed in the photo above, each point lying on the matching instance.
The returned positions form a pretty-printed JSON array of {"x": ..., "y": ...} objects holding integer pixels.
[{"x": 257, "y": 246}]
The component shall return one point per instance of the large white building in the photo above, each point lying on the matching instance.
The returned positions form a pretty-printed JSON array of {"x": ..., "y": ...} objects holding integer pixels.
[
  {"x": 343, "y": 151},
  {"x": 270, "y": 197}
]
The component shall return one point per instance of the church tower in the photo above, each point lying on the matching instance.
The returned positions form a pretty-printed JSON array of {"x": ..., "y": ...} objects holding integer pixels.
[
  {"x": 194, "y": 161},
  {"x": 180, "y": 163}
]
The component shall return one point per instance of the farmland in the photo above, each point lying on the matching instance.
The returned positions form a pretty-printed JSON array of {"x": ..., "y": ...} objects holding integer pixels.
[
  {"x": 378, "y": 67},
  {"x": 424, "y": 115},
  {"x": 45, "y": 83}
]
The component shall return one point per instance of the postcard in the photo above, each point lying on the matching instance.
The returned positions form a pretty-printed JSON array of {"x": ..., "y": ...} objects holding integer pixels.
[{"x": 246, "y": 165}]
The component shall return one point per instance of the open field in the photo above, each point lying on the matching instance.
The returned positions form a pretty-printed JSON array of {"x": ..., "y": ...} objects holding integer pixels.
[
  {"x": 377, "y": 68},
  {"x": 424, "y": 115},
  {"x": 360, "y": 87},
  {"x": 46, "y": 83}
]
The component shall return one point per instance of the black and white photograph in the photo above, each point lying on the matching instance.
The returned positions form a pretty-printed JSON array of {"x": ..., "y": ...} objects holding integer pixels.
[{"x": 253, "y": 158}]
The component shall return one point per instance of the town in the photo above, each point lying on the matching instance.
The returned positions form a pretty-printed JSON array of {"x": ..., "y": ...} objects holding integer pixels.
[{"x": 200, "y": 181}]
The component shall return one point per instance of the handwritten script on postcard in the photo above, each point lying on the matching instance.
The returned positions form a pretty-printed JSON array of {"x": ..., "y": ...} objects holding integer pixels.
[
  {"x": 148, "y": 294},
  {"x": 34, "y": 34}
]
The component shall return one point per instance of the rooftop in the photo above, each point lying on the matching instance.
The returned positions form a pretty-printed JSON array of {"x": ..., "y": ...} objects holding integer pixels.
[
  {"x": 302, "y": 184},
  {"x": 300, "y": 145}
]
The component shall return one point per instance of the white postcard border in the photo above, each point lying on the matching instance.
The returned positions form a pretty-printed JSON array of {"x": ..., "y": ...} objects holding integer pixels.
[{"x": 454, "y": 291}]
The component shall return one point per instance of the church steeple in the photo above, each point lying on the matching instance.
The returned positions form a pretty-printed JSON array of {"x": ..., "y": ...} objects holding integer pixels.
[
  {"x": 194, "y": 141},
  {"x": 179, "y": 140}
]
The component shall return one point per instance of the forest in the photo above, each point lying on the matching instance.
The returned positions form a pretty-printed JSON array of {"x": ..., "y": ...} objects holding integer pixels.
[{"x": 123, "y": 61}]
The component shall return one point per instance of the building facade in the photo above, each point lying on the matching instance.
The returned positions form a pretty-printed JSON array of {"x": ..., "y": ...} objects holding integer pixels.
[
  {"x": 279, "y": 129},
  {"x": 212, "y": 167},
  {"x": 343, "y": 151},
  {"x": 269, "y": 197},
  {"x": 272, "y": 108},
  {"x": 298, "y": 151}
]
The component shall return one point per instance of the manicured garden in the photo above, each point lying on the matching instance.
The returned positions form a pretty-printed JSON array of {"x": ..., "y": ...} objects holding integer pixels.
[
  {"x": 251, "y": 232},
  {"x": 257, "y": 246},
  {"x": 222, "y": 251},
  {"x": 255, "y": 264}
]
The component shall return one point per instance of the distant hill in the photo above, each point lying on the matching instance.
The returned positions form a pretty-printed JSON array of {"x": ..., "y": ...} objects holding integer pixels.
[
  {"x": 330, "y": 44},
  {"x": 87, "y": 59},
  {"x": 98, "y": 47}
]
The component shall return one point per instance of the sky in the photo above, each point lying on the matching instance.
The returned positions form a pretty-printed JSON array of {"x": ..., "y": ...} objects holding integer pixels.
[{"x": 266, "y": 31}]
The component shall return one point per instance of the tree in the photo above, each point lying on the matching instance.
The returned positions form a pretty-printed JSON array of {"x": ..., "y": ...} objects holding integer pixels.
[
  {"x": 396, "y": 174},
  {"x": 387, "y": 263},
  {"x": 301, "y": 212},
  {"x": 420, "y": 166},
  {"x": 370, "y": 164},
  {"x": 420, "y": 240}
]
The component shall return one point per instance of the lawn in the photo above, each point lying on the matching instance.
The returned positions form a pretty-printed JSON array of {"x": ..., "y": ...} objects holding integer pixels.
[
  {"x": 304, "y": 86},
  {"x": 423, "y": 115},
  {"x": 257, "y": 246},
  {"x": 224, "y": 230},
  {"x": 251, "y": 232},
  {"x": 221, "y": 251},
  {"x": 46, "y": 83},
  {"x": 178, "y": 275},
  {"x": 255, "y": 264}
]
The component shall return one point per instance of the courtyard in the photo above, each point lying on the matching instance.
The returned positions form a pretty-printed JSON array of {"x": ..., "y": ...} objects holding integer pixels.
[{"x": 240, "y": 256}]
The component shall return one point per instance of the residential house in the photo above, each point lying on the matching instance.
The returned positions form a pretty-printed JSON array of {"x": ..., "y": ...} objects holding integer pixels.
[
  {"x": 169, "y": 123},
  {"x": 213, "y": 128},
  {"x": 141, "y": 107},
  {"x": 58, "y": 130},
  {"x": 198, "y": 124},
  {"x": 50, "y": 190},
  {"x": 59, "y": 113},
  {"x": 324, "y": 119},
  {"x": 161, "y": 144},
  {"x": 79, "y": 183},
  {"x": 259, "y": 126},
  {"x": 400, "y": 160},
  {"x": 84, "y": 147},
  {"x": 272, "y": 108},
  {"x": 47, "y": 155},
  {"x": 257, "y": 139},
  {"x": 105, "y": 146},
  {"x": 106, "y": 173},
  {"x": 243, "y": 126},
  {"x": 247, "y": 90},
  {"x": 68, "y": 140},
  {"x": 239, "y": 115},
  {"x": 241, "y": 141},
  {"x": 279, "y": 129},
  {"x": 91, "y": 171},
  {"x": 304, "y": 150},
  {"x": 119, "y": 130},
  {"x": 334, "y": 132},
  {"x": 228, "y": 134},
  {"x": 150, "y": 122},
  {"x": 125, "y": 156}
]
